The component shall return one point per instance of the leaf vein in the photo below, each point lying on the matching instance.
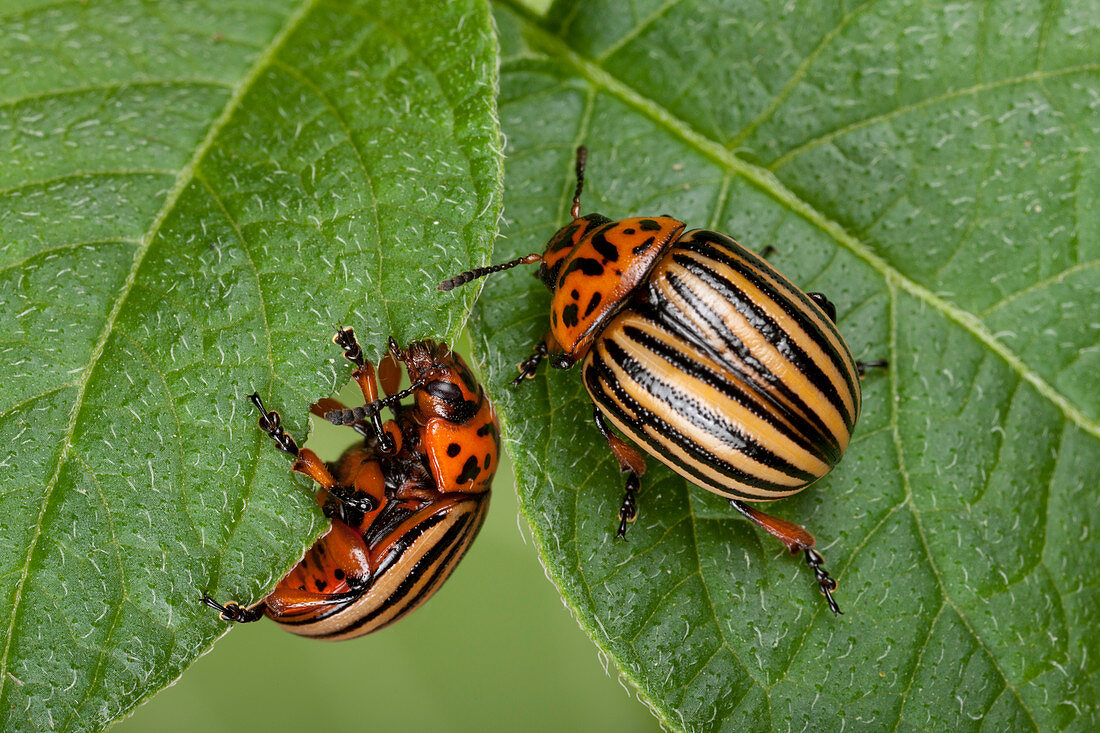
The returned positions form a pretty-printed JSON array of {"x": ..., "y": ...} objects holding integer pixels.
[{"x": 185, "y": 176}]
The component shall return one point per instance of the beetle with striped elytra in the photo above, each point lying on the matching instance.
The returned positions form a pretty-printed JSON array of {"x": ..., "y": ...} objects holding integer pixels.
[
  {"x": 701, "y": 353},
  {"x": 405, "y": 503}
]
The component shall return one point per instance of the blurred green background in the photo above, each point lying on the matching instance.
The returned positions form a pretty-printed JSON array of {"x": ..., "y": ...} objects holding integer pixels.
[{"x": 494, "y": 650}]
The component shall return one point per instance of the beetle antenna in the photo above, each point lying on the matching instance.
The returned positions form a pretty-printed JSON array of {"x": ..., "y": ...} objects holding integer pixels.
[
  {"x": 582, "y": 158},
  {"x": 464, "y": 277}
]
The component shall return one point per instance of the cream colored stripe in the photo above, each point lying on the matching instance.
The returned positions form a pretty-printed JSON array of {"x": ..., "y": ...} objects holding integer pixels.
[
  {"x": 756, "y": 379},
  {"x": 736, "y": 416},
  {"x": 706, "y": 477},
  {"x": 388, "y": 584},
  {"x": 826, "y": 326},
  {"x": 764, "y": 350},
  {"x": 735, "y": 251}
]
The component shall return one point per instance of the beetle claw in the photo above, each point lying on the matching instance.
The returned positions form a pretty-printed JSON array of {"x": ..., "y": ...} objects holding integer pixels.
[
  {"x": 824, "y": 581},
  {"x": 233, "y": 612}
]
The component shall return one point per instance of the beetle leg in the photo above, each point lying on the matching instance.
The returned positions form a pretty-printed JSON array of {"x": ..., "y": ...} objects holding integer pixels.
[
  {"x": 352, "y": 498},
  {"x": 863, "y": 366},
  {"x": 797, "y": 539},
  {"x": 305, "y": 461},
  {"x": 529, "y": 366},
  {"x": 272, "y": 424},
  {"x": 233, "y": 612},
  {"x": 628, "y": 510},
  {"x": 366, "y": 377},
  {"x": 631, "y": 462},
  {"x": 308, "y": 463},
  {"x": 345, "y": 339}
]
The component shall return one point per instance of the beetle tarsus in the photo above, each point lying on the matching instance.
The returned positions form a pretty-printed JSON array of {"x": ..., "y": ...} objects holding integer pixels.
[
  {"x": 824, "y": 582},
  {"x": 529, "y": 366},
  {"x": 863, "y": 366},
  {"x": 352, "y": 498},
  {"x": 628, "y": 511},
  {"x": 272, "y": 424},
  {"x": 345, "y": 339},
  {"x": 234, "y": 612}
]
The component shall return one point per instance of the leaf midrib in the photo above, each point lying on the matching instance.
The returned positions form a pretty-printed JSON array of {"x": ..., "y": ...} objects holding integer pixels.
[
  {"x": 767, "y": 182},
  {"x": 184, "y": 177},
  {"x": 590, "y": 70}
]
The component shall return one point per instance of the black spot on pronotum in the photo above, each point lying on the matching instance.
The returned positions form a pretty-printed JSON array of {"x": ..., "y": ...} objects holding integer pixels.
[
  {"x": 648, "y": 225},
  {"x": 607, "y": 250},
  {"x": 569, "y": 315},
  {"x": 454, "y": 449},
  {"x": 470, "y": 470},
  {"x": 593, "y": 303},
  {"x": 586, "y": 265},
  {"x": 643, "y": 246}
]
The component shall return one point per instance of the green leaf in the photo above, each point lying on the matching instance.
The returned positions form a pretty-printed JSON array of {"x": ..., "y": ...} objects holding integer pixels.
[
  {"x": 933, "y": 168},
  {"x": 194, "y": 195}
]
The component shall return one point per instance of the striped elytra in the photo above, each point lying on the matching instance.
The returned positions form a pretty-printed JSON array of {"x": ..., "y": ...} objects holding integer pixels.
[
  {"x": 727, "y": 372},
  {"x": 700, "y": 353},
  {"x": 411, "y": 559},
  {"x": 405, "y": 502}
]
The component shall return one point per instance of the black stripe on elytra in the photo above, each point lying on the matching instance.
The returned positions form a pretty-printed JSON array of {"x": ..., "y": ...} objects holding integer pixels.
[
  {"x": 798, "y": 430},
  {"x": 447, "y": 565},
  {"x": 667, "y": 314},
  {"x": 796, "y": 304},
  {"x": 603, "y": 386},
  {"x": 605, "y": 389},
  {"x": 759, "y": 318},
  {"x": 702, "y": 415},
  {"x": 406, "y": 540},
  {"x": 446, "y": 544}
]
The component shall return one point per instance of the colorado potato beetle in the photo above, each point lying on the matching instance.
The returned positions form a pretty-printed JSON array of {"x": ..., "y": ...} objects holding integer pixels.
[
  {"x": 700, "y": 352},
  {"x": 405, "y": 503}
]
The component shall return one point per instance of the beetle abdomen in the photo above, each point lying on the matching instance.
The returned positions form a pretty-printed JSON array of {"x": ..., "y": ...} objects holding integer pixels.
[{"x": 725, "y": 371}]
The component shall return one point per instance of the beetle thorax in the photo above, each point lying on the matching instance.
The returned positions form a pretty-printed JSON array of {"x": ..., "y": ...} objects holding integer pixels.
[{"x": 595, "y": 276}]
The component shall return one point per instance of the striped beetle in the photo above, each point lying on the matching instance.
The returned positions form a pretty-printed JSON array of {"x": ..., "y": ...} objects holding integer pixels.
[
  {"x": 405, "y": 503},
  {"x": 698, "y": 351}
]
